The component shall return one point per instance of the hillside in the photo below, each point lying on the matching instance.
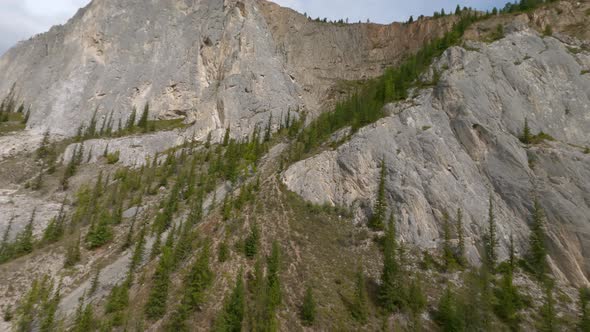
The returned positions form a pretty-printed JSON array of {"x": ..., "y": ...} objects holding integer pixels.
[{"x": 236, "y": 165}]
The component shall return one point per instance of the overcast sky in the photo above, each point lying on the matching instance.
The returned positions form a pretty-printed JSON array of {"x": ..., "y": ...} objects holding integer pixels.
[{"x": 21, "y": 19}]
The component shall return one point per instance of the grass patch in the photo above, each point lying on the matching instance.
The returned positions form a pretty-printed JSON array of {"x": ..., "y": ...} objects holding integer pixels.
[
  {"x": 585, "y": 71},
  {"x": 541, "y": 137},
  {"x": 12, "y": 122}
]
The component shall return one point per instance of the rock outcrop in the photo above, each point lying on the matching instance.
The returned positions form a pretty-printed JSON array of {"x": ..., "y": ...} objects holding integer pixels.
[
  {"x": 456, "y": 144},
  {"x": 216, "y": 63}
]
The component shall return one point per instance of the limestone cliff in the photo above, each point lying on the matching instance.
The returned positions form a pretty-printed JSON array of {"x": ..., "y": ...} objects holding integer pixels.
[
  {"x": 217, "y": 64},
  {"x": 454, "y": 145}
]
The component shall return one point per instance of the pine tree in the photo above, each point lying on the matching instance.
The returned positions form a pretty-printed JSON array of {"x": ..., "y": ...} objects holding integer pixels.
[
  {"x": 308, "y": 309},
  {"x": 139, "y": 250},
  {"x": 584, "y": 309},
  {"x": 95, "y": 282},
  {"x": 73, "y": 254},
  {"x": 155, "y": 307},
  {"x": 226, "y": 137},
  {"x": 232, "y": 315},
  {"x": 416, "y": 302},
  {"x": 43, "y": 151},
  {"x": 24, "y": 240},
  {"x": 273, "y": 279},
  {"x": 143, "y": 121},
  {"x": 251, "y": 243},
  {"x": 526, "y": 136},
  {"x": 359, "y": 309},
  {"x": 448, "y": 315},
  {"x": 448, "y": 255},
  {"x": 199, "y": 279},
  {"x": 391, "y": 292},
  {"x": 377, "y": 220},
  {"x": 223, "y": 252},
  {"x": 548, "y": 316},
  {"x": 508, "y": 301},
  {"x": 5, "y": 245},
  {"x": 268, "y": 133},
  {"x": 537, "y": 256},
  {"x": 131, "y": 120},
  {"x": 461, "y": 235},
  {"x": 490, "y": 239}
]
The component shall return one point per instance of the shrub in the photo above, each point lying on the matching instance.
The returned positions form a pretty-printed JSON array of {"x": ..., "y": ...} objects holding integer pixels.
[{"x": 113, "y": 158}]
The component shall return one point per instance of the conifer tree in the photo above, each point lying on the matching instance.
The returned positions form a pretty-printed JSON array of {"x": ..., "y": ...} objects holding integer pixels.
[
  {"x": 226, "y": 137},
  {"x": 526, "y": 136},
  {"x": 143, "y": 121},
  {"x": 537, "y": 255},
  {"x": 251, "y": 243},
  {"x": 24, "y": 240},
  {"x": 377, "y": 220},
  {"x": 156, "y": 304},
  {"x": 43, "y": 151},
  {"x": 547, "y": 314},
  {"x": 131, "y": 120},
  {"x": 584, "y": 309},
  {"x": 490, "y": 239},
  {"x": 391, "y": 292},
  {"x": 359, "y": 309},
  {"x": 232, "y": 315},
  {"x": 268, "y": 132},
  {"x": 448, "y": 255},
  {"x": 95, "y": 282},
  {"x": 508, "y": 301},
  {"x": 308, "y": 309},
  {"x": 273, "y": 280},
  {"x": 73, "y": 254},
  {"x": 461, "y": 235},
  {"x": 139, "y": 249},
  {"x": 5, "y": 246},
  {"x": 416, "y": 302},
  {"x": 448, "y": 315}
]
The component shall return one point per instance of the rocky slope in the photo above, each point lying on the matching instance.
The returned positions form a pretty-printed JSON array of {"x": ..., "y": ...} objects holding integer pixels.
[
  {"x": 452, "y": 146},
  {"x": 218, "y": 64}
]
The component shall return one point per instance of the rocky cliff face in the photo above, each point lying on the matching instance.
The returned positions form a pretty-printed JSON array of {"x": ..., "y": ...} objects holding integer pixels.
[
  {"x": 454, "y": 145},
  {"x": 216, "y": 63}
]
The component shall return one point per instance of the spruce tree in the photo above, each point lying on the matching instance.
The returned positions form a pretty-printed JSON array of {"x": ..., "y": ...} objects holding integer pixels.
[
  {"x": 584, "y": 309},
  {"x": 547, "y": 314},
  {"x": 131, "y": 120},
  {"x": 448, "y": 315},
  {"x": 251, "y": 243},
  {"x": 143, "y": 121},
  {"x": 490, "y": 238},
  {"x": 448, "y": 255},
  {"x": 232, "y": 315},
  {"x": 508, "y": 301},
  {"x": 5, "y": 246},
  {"x": 526, "y": 136},
  {"x": 24, "y": 240},
  {"x": 391, "y": 291},
  {"x": 537, "y": 255},
  {"x": 73, "y": 254},
  {"x": 273, "y": 279},
  {"x": 359, "y": 308},
  {"x": 308, "y": 309},
  {"x": 377, "y": 220},
  {"x": 416, "y": 302},
  {"x": 461, "y": 235},
  {"x": 155, "y": 307}
]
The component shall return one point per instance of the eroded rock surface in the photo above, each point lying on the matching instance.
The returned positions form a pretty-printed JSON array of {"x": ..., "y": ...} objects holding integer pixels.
[{"x": 456, "y": 144}]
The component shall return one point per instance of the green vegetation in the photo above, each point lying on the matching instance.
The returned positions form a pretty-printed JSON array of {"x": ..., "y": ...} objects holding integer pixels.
[
  {"x": 377, "y": 220},
  {"x": 308, "y": 308},
  {"x": 359, "y": 309},
  {"x": 366, "y": 105},
  {"x": 232, "y": 315}
]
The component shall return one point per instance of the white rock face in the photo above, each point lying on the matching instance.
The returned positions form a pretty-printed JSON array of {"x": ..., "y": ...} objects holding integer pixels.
[
  {"x": 210, "y": 61},
  {"x": 456, "y": 144},
  {"x": 217, "y": 63}
]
